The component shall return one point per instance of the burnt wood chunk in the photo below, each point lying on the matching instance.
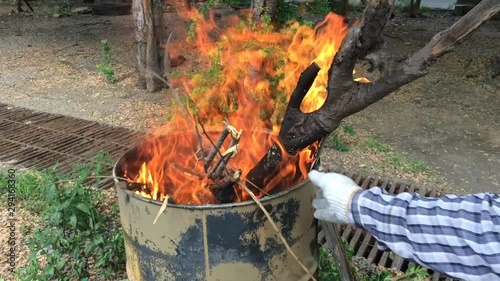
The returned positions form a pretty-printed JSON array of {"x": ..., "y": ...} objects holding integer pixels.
[{"x": 266, "y": 168}]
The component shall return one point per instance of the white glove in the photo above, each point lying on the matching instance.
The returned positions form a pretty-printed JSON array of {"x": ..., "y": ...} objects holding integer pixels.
[{"x": 333, "y": 200}]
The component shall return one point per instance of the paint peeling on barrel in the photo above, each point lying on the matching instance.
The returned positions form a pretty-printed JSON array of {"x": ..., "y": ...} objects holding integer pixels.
[{"x": 219, "y": 242}]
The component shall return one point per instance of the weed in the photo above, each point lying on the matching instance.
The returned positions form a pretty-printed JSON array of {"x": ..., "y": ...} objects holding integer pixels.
[
  {"x": 371, "y": 144},
  {"x": 416, "y": 273},
  {"x": 105, "y": 67},
  {"x": 175, "y": 73},
  {"x": 328, "y": 270},
  {"x": 396, "y": 159},
  {"x": 192, "y": 31},
  {"x": 287, "y": 12},
  {"x": 424, "y": 9},
  {"x": 65, "y": 8},
  {"x": 348, "y": 129},
  {"x": 310, "y": 23},
  {"x": 206, "y": 6},
  {"x": 408, "y": 165},
  {"x": 335, "y": 142},
  {"x": 74, "y": 237},
  {"x": 318, "y": 7}
]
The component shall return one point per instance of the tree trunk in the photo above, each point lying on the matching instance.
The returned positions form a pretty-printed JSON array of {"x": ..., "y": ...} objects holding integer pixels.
[
  {"x": 264, "y": 8},
  {"x": 150, "y": 39},
  {"x": 414, "y": 8},
  {"x": 343, "y": 7}
]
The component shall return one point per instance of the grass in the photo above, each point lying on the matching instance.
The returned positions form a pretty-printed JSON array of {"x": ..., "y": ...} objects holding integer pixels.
[
  {"x": 76, "y": 236},
  {"x": 345, "y": 140},
  {"x": 398, "y": 159},
  {"x": 329, "y": 271},
  {"x": 371, "y": 144},
  {"x": 334, "y": 141}
]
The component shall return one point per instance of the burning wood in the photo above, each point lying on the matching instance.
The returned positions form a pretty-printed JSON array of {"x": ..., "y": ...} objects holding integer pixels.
[{"x": 326, "y": 93}]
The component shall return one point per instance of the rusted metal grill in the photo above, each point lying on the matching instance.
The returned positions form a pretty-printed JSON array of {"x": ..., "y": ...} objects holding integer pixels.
[
  {"x": 34, "y": 139},
  {"x": 364, "y": 244}
]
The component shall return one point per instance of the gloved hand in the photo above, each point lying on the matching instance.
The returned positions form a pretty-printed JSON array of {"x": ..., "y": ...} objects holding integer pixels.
[{"x": 333, "y": 200}]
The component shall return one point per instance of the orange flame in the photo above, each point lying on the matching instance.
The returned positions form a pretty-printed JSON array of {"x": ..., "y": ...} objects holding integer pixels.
[{"x": 251, "y": 73}]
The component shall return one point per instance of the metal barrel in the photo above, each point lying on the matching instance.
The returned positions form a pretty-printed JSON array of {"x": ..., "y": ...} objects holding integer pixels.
[{"x": 225, "y": 242}]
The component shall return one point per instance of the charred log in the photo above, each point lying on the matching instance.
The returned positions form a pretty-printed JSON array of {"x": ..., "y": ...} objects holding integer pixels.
[
  {"x": 224, "y": 191},
  {"x": 267, "y": 167}
]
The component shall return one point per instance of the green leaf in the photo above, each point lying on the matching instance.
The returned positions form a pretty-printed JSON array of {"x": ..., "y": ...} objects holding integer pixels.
[
  {"x": 61, "y": 264},
  {"x": 72, "y": 221},
  {"x": 55, "y": 218},
  {"x": 98, "y": 239},
  {"x": 49, "y": 270},
  {"x": 90, "y": 247},
  {"x": 100, "y": 262},
  {"x": 84, "y": 208}
]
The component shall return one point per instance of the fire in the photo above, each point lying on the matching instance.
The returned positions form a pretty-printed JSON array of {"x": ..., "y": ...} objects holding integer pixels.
[{"x": 251, "y": 73}]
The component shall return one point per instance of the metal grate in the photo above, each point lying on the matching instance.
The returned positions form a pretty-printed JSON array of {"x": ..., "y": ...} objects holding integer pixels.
[
  {"x": 40, "y": 140},
  {"x": 365, "y": 245}
]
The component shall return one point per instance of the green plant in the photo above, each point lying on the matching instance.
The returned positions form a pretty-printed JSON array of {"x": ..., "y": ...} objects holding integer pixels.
[
  {"x": 408, "y": 165},
  {"x": 74, "y": 236},
  {"x": 65, "y": 8},
  {"x": 192, "y": 31},
  {"x": 287, "y": 12},
  {"x": 416, "y": 273},
  {"x": 371, "y": 144},
  {"x": 348, "y": 129},
  {"x": 318, "y": 7},
  {"x": 309, "y": 23},
  {"x": 424, "y": 9},
  {"x": 328, "y": 270},
  {"x": 335, "y": 142},
  {"x": 206, "y": 6},
  {"x": 105, "y": 67}
]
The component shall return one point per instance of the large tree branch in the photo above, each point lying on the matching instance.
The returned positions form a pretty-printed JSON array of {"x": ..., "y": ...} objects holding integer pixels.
[
  {"x": 346, "y": 97},
  {"x": 298, "y": 129},
  {"x": 416, "y": 66}
]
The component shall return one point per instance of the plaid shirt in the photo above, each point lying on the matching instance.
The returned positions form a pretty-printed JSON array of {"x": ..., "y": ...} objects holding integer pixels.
[{"x": 457, "y": 236}]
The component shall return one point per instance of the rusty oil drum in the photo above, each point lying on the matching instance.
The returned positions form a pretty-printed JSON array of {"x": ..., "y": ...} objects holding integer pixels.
[{"x": 226, "y": 242}]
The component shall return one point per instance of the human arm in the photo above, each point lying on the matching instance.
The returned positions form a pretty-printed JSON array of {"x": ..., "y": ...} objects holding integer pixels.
[{"x": 455, "y": 235}]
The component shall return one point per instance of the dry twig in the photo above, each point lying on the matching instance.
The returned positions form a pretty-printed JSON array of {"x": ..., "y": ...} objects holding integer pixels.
[
  {"x": 162, "y": 208},
  {"x": 188, "y": 171}
]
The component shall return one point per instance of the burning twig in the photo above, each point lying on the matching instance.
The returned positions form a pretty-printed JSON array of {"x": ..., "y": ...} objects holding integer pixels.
[
  {"x": 200, "y": 141},
  {"x": 219, "y": 168},
  {"x": 222, "y": 163},
  {"x": 268, "y": 216},
  {"x": 189, "y": 171},
  {"x": 216, "y": 148}
]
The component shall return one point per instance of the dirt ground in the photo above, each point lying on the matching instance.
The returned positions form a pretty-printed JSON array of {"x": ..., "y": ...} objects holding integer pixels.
[{"x": 448, "y": 119}]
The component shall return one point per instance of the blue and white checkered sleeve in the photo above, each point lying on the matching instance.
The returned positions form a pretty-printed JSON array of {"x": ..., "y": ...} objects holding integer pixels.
[{"x": 458, "y": 236}]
